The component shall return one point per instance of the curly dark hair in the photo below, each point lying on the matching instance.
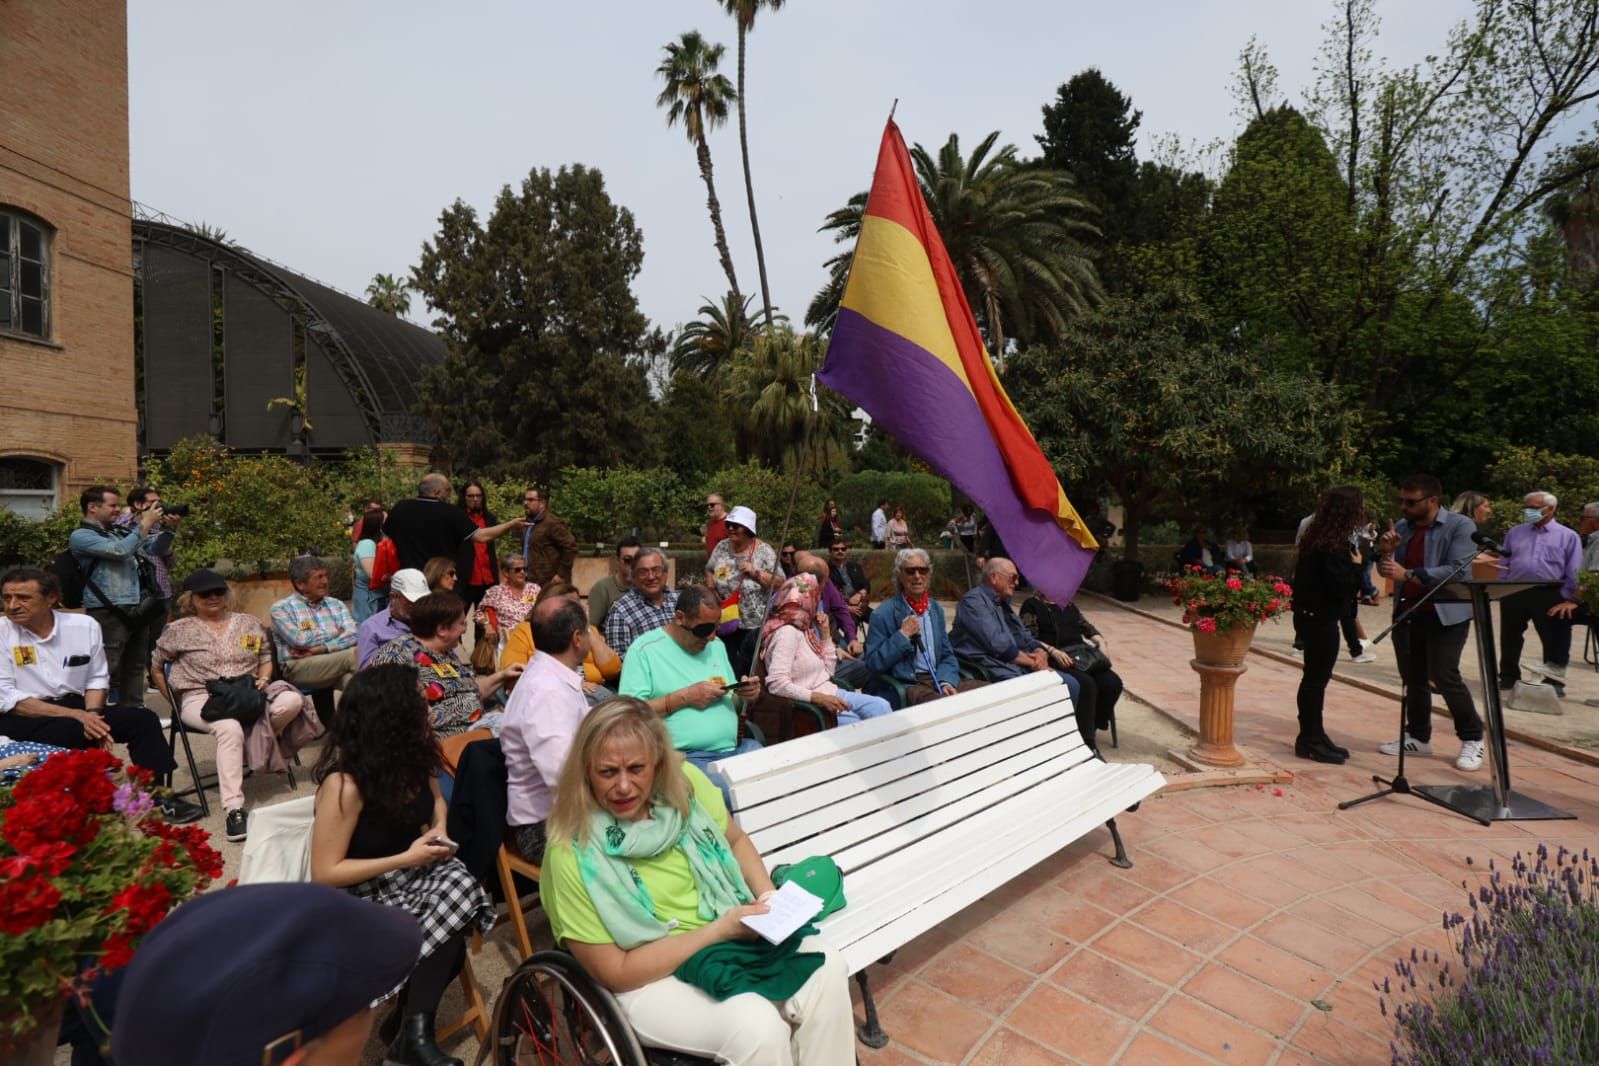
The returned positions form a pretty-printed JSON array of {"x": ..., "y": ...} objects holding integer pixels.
[
  {"x": 1342, "y": 510},
  {"x": 383, "y": 738}
]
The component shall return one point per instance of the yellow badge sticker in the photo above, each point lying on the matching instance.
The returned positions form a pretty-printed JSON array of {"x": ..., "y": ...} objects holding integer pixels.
[
  {"x": 305, "y": 623},
  {"x": 251, "y": 642},
  {"x": 25, "y": 655},
  {"x": 445, "y": 670}
]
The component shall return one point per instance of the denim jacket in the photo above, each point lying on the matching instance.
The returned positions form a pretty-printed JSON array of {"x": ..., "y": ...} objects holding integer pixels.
[
  {"x": 888, "y": 651},
  {"x": 112, "y": 554}
]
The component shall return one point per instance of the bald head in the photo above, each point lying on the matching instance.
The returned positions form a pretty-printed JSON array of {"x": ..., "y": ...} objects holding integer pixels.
[
  {"x": 810, "y": 563},
  {"x": 436, "y": 486},
  {"x": 560, "y": 628}
]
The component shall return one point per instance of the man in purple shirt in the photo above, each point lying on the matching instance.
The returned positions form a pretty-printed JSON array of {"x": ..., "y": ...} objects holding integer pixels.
[
  {"x": 542, "y": 717},
  {"x": 405, "y": 588},
  {"x": 1541, "y": 549}
]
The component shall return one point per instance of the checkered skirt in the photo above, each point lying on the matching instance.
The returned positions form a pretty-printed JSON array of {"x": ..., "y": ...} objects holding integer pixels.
[{"x": 443, "y": 897}]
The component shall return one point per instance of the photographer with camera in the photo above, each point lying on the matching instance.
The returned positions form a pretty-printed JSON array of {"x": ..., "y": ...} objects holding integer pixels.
[
  {"x": 114, "y": 594},
  {"x": 141, "y": 500}
]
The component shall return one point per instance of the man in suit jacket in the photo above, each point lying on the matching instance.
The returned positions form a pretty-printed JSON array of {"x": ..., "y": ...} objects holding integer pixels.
[
  {"x": 1423, "y": 549},
  {"x": 907, "y": 638}
]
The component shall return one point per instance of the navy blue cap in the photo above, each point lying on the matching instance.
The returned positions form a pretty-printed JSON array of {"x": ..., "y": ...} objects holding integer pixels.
[{"x": 233, "y": 971}]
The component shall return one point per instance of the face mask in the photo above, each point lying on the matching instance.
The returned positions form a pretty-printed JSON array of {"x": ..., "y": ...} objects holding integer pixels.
[{"x": 1532, "y": 514}]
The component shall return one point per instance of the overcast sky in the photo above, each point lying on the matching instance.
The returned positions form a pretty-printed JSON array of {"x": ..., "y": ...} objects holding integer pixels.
[{"x": 328, "y": 135}]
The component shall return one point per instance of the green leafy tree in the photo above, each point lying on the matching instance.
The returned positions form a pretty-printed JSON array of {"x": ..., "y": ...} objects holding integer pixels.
[
  {"x": 389, "y": 294},
  {"x": 1089, "y": 132},
  {"x": 769, "y": 397},
  {"x": 744, "y": 12},
  {"x": 537, "y": 307},
  {"x": 698, "y": 97},
  {"x": 706, "y": 345},
  {"x": 1140, "y": 398},
  {"x": 1016, "y": 236},
  {"x": 695, "y": 433},
  {"x": 766, "y": 492}
]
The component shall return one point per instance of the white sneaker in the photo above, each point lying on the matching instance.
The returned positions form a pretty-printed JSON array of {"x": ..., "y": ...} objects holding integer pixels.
[
  {"x": 1366, "y": 654},
  {"x": 1410, "y": 744},
  {"x": 1470, "y": 755},
  {"x": 1549, "y": 670}
]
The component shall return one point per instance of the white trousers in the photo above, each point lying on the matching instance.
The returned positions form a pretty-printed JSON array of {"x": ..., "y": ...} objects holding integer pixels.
[
  {"x": 282, "y": 709},
  {"x": 816, "y": 1027}
]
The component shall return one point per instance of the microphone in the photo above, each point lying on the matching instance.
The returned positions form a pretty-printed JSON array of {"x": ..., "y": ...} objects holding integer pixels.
[
  {"x": 916, "y": 641},
  {"x": 1487, "y": 543}
]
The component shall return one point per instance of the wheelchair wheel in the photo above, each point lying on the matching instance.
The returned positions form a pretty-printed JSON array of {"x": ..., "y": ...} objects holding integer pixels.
[{"x": 551, "y": 1013}]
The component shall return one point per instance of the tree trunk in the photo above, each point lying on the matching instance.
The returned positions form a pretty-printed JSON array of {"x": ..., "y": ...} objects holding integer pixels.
[
  {"x": 715, "y": 207},
  {"x": 749, "y": 185},
  {"x": 1132, "y": 519}
]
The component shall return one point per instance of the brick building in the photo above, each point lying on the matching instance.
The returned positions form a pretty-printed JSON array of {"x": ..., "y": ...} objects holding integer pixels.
[{"x": 67, "y": 415}]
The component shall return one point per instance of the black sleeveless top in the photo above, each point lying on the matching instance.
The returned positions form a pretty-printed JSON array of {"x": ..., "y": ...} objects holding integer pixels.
[{"x": 373, "y": 839}]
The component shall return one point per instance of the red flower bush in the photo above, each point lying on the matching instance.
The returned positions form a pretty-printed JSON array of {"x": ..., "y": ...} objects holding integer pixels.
[
  {"x": 1219, "y": 603},
  {"x": 87, "y": 868}
]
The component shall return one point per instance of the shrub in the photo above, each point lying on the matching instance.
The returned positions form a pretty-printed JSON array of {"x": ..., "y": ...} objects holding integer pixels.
[
  {"x": 1527, "y": 990},
  {"x": 604, "y": 505},
  {"x": 925, "y": 497},
  {"x": 1574, "y": 479},
  {"x": 766, "y": 492},
  {"x": 28, "y": 543}
]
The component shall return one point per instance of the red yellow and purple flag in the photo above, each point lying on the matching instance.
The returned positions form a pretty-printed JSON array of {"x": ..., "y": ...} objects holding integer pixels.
[{"x": 906, "y": 349}]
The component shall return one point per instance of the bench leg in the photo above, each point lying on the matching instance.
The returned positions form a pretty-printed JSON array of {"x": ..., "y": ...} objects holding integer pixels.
[
  {"x": 871, "y": 1034},
  {"x": 1121, "y": 861}
]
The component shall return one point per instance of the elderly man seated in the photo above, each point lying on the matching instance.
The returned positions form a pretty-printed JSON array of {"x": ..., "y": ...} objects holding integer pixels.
[
  {"x": 907, "y": 639},
  {"x": 989, "y": 633},
  {"x": 682, "y": 671},
  {"x": 315, "y": 633},
  {"x": 405, "y": 588},
  {"x": 54, "y": 680},
  {"x": 850, "y": 580},
  {"x": 648, "y": 605},
  {"x": 545, "y": 709}
]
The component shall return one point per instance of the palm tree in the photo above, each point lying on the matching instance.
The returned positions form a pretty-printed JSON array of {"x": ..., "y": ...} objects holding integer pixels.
[
  {"x": 389, "y": 294},
  {"x": 1013, "y": 232},
  {"x": 697, "y": 96},
  {"x": 704, "y": 346},
  {"x": 744, "y": 12},
  {"x": 769, "y": 395}
]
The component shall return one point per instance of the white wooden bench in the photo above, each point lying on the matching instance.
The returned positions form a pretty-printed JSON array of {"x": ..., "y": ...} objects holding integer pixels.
[{"x": 930, "y": 808}]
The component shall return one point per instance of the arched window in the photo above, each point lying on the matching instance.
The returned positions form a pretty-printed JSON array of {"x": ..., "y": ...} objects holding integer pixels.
[
  {"x": 24, "y": 274},
  {"x": 29, "y": 487}
]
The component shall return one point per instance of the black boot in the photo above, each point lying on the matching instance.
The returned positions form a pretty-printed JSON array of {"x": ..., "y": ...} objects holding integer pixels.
[
  {"x": 1317, "y": 749},
  {"x": 415, "y": 1047},
  {"x": 1339, "y": 748}
]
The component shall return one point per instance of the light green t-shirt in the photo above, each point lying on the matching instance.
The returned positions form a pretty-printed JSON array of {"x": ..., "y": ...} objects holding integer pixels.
[
  {"x": 667, "y": 876},
  {"x": 656, "y": 664}
]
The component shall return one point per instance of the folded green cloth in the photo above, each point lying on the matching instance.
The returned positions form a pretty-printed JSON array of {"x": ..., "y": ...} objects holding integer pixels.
[{"x": 775, "y": 971}]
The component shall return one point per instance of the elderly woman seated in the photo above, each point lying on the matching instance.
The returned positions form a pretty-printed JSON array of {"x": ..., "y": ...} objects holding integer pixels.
[
  {"x": 454, "y": 693},
  {"x": 646, "y": 872},
  {"x": 506, "y": 604},
  {"x": 800, "y": 655},
  {"x": 210, "y": 641},
  {"x": 378, "y": 833}
]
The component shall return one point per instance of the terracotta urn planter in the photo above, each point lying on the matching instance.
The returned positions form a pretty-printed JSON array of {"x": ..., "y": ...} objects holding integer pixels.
[
  {"x": 1219, "y": 660},
  {"x": 38, "y": 1047}
]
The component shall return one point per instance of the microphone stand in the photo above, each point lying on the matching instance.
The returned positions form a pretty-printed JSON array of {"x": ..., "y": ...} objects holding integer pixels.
[{"x": 1399, "y": 783}]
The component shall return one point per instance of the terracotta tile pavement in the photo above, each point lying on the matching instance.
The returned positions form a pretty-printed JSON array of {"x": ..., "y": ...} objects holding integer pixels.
[{"x": 1255, "y": 919}]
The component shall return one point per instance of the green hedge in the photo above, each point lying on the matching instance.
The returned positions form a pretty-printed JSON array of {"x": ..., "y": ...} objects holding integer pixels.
[{"x": 925, "y": 497}]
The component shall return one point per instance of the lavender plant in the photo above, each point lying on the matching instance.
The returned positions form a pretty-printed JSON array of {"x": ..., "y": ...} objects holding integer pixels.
[{"x": 1527, "y": 988}]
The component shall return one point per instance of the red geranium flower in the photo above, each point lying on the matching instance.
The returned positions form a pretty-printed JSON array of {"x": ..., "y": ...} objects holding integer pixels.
[{"x": 26, "y": 903}]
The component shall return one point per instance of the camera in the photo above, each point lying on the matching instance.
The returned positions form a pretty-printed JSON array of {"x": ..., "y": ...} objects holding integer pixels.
[{"x": 176, "y": 510}]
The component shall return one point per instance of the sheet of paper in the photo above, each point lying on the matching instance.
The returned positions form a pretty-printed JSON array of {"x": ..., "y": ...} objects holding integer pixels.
[{"x": 792, "y": 907}]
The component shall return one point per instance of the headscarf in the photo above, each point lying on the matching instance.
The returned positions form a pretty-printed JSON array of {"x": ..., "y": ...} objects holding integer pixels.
[{"x": 795, "y": 604}]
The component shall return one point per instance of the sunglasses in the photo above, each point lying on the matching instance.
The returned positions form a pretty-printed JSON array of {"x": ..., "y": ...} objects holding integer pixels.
[
  {"x": 211, "y": 593},
  {"x": 704, "y": 629},
  {"x": 916, "y": 570},
  {"x": 1405, "y": 501},
  {"x": 516, "y": 569},
  {"x": 628, "y": 559},
  {"x": 788, "y": 555}
]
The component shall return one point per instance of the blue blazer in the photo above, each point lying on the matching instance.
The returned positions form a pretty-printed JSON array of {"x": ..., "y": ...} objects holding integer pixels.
[
  {"x": 1448, "y": 544},
  {"x": 888, "y": 651}
]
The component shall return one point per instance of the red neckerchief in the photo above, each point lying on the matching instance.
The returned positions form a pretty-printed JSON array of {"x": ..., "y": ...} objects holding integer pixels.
[{"x": 919, "y": 606}]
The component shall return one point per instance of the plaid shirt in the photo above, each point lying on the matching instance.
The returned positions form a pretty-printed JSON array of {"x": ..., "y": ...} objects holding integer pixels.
[
  {"x": 297, "y": 624},
  {"x": 632, "y": 616}
]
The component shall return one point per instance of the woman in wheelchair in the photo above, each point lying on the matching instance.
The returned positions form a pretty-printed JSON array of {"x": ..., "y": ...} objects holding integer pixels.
[
  {"x": 645, "y": 870},
  {"x": 379, "y": 835}
]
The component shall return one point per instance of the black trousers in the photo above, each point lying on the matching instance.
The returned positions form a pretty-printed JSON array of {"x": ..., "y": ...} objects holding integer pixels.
[
  {"x": 1098, "y": 694},
  {"x": 135, "y": 726},
  {"x": 1318, "y": 634},
  {"x": 1515, "y": 611},
  {"x": 1427, "y": 651},
  {"x": 127, "y": 651}
]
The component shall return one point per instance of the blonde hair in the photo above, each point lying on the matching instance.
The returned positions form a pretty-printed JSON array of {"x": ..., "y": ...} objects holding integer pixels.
[
  {"x": 1468, "y": 502},
  {"x": 184, "y": 607},
  {"x": 619, "y": 716}
]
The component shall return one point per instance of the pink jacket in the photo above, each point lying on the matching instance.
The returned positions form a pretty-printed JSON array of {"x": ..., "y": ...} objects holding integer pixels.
[
  {"x": 267, "y": 752},
  {"x": 793, "y": 670}
]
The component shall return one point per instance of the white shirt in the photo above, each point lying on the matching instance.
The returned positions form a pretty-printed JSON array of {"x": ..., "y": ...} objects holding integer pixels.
[
  {"x": 70, "y": 661},
  {"x": 541, "y": 717},
  {"x": 879, "y": 525}
]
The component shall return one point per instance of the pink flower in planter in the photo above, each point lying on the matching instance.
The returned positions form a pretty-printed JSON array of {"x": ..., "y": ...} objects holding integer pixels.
[
  {"x": 1206, "y": 625},
  {"x": 1234, "y": 583}
]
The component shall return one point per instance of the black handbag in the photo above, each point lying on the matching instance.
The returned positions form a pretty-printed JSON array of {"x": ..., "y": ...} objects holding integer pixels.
[
  {"x": 1087, "y": 657},
  {"x": 234, "y": 697}
]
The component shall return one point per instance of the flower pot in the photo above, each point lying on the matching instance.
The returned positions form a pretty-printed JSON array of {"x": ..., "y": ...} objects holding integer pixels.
[
  {"x": 38, "y": 1047},
  {"x": 1219, "y": 660}
]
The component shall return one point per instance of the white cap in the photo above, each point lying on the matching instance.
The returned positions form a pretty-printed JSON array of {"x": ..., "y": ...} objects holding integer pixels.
[
  {"x": 409, "y": 583},
  {"x": 742, "y": 516}
]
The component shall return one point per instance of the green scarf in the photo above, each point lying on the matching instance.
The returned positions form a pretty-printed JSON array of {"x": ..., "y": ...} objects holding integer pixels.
[{"x": 620, "y": 896}]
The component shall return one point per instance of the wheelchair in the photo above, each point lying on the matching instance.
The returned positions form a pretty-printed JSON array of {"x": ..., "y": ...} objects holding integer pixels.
[{"x": 552, "y": 1013}]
